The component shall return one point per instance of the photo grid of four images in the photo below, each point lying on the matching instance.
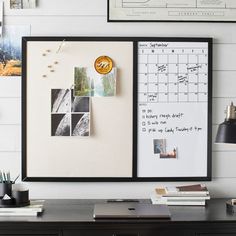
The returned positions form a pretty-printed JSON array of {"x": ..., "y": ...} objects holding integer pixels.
[{"x": 70, "y": 115}]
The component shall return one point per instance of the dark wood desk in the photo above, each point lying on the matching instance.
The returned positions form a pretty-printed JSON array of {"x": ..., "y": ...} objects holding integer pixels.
[{"x": 75, "y": 218}]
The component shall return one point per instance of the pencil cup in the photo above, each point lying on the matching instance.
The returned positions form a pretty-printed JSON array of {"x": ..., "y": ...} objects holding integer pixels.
[
  {"x": 5, "y": 188},
  {"x": 21, "y": 196}
]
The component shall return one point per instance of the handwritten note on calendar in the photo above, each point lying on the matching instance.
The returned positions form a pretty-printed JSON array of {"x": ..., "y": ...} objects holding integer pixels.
[{"x": 172, "y": 108}]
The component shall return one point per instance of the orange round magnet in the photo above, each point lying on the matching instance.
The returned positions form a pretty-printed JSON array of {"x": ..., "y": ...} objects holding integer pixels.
[{"x": 103, "y": 64}]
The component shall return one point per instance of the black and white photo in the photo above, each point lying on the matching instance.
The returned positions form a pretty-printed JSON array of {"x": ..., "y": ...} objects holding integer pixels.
[
  {"x": 60, "y": 124},
  {"x": 80, "y": 124},
  {"x": 79, "y": 104},
  {"x": 60, "y": 100}
]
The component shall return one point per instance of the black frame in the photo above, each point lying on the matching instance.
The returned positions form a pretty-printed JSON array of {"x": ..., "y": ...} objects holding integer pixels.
[
  {"x": 208, "y": 177},
  {"x": 186, "y": 21},
  {"x": 24, "y": 113},
  {"x": 134, "y": 177}
]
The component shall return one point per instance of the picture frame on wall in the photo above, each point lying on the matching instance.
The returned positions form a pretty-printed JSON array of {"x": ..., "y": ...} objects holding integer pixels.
[
  {"x": 163, "y": 101},
  {"x": 173, "y": 11}
]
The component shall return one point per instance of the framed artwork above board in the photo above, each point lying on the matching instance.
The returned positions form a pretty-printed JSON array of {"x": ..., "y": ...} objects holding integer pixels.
[
  {"x": 171, "y": 11},
  {"x": 116, "y": 109}
]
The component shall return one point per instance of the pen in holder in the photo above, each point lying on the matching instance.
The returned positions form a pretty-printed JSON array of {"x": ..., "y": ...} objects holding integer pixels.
[{"x": 6, "y": 198}]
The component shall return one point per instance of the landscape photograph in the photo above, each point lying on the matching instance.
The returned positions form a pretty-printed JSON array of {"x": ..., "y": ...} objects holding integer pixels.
[
  {"x": 10, "y": 50},
  {"x": 92, "y": 84}
]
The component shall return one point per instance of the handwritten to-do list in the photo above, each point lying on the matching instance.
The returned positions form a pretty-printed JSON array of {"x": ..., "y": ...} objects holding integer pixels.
[{"x": 172, "y": 108}]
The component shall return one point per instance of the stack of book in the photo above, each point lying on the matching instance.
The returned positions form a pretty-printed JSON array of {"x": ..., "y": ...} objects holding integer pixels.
[
  {"x": 189, "y": 195},
  {"x": 35, "y": 208}
]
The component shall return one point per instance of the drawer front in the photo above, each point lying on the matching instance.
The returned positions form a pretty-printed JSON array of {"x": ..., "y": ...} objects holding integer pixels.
[
  {"x": 121, "y": 233},
  {"x": 98, "y": 233},
  {"x": 26, "y": 234},
  {"x": 75, "y": 232},
  {"x": 216, "y": 234},
  {"x": 166, "y": 233}
]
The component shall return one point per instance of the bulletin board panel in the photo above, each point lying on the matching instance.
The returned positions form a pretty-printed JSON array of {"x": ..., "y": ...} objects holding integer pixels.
[
  {"x": 157, "y": 127},
  {"x": 174, "y": 99},
  {"x": 105, "y": 155}
]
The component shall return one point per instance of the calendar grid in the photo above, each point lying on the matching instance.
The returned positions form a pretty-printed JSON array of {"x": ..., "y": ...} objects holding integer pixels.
[{"x": 174, "y": 74}]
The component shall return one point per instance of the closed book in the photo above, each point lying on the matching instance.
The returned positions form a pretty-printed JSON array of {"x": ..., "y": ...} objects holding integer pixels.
[
  {"x": 163, "y": 192},
  {"x": 174, "y": 191},
  {"x": 156, "y": 200},
  {"x": 32, "y": 213},
  {"x": 34, "y": 207},
  {"x": 192, "y": 188},
  {"x": 200, "y": 203},
  {"x": 185, "y": 198}
]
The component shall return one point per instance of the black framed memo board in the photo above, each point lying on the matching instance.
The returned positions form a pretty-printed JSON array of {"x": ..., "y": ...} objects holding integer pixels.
[{"x": 145, "y": 117}]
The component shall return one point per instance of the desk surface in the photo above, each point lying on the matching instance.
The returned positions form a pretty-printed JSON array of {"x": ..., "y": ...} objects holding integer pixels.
[{"x": 81, "y": 211}]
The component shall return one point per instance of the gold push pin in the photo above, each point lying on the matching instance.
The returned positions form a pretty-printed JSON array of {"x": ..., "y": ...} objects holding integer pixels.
[
  {"x": 44, "y": 54},
  {"x": 50, "y": 66},
  {"x": 48, "y": 50},
  {"x": 44, "y": 76},
  {"x": 52, "y": 70},
  {"x": 56, "y": 62}
]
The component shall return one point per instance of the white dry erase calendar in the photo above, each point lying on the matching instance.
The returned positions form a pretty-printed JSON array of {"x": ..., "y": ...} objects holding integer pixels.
[{"x": 174, "y": 91}]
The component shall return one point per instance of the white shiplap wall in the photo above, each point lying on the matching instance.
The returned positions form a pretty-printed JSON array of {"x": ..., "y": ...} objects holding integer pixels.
[{"x": 88, "y": 18}]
